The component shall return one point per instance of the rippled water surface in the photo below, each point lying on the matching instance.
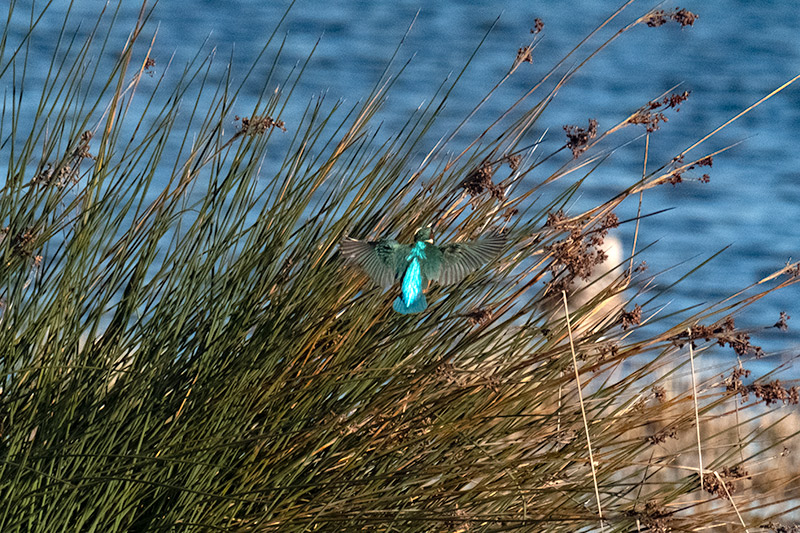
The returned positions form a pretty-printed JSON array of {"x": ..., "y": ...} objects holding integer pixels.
[{"x": 736, "y": 53}]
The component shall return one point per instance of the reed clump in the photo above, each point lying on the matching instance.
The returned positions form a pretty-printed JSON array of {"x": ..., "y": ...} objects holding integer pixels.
[{"x": 182, "y": 348}]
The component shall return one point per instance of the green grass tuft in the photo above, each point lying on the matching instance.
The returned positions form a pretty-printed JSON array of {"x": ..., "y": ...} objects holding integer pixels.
[{"x": 183, "y": 349}]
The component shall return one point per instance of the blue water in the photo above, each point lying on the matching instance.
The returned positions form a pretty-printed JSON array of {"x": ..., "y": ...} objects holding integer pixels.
[{"x": 737, "y": 52}]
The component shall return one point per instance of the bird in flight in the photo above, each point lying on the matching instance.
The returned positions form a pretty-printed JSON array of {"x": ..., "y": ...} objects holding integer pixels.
[{"x": 387, "y": 261}]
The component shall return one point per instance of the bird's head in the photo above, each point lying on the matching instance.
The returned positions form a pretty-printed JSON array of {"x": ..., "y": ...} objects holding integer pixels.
[{"x": 423, "y": 235}]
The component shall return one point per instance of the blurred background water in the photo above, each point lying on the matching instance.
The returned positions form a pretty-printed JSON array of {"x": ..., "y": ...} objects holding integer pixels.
[{"x": 736, "y": 52}]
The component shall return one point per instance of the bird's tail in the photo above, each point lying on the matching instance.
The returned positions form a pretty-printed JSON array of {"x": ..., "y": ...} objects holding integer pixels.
[{"x": 416, "y": 306}]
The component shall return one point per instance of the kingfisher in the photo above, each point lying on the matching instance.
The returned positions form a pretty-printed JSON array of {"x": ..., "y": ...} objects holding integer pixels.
[{"x": 387, "y": 261}]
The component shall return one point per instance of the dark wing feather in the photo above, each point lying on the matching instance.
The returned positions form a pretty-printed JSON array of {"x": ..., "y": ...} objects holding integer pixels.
[
  {"x": 382, "y": 260},
  {"x": 456, "y": 261}
]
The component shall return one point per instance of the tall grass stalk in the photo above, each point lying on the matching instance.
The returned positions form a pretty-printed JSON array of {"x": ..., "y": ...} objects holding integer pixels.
[{"x": 182, "y": 348}]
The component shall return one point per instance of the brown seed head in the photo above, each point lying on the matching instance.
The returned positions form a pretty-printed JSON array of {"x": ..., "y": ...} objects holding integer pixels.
[
  {"x": 479, "y": 316},
  {"x": 654, "y": 517},
  {"x": 684, "y": 17},
  {"x": 662, "y": 436},
  {"x": 576, "y": 255},
  {"x": 733, "y": 383},
  {"x": 659, "y": 393},
  {"x": 524, "y": 55},
  {"x": 480, "y": 179},
  {"x": 631, "y": 318},
  {"x": 774, "y": 392},
  {"x": 781, "y": 323},
  {"x": 659, "y": 17},
  {"x": 656, "y": 18},
  {"x": 149, "y": 63},
  {"x": 578, "y": 138},
  {"x": 728, "y": 476},
  {"x": 257, "y": 125}
]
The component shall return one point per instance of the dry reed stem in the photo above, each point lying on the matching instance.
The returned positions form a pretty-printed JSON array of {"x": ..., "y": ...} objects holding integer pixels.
[
  {"x": 730, "y": 499},
  {"x": 188, "y": 392},
  {"x": 583, "y": 409},
  {"x": 639, "y": 209},
  {"x": 696, "y": 413},
  {"x": 560, "y": 394},
  {"x": 737, "y": 421},
  {"x": 743, "y": 112}
]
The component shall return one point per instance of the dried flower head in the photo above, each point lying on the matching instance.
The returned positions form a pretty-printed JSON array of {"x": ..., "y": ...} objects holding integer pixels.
[
  {"x": 659, "y": 393},
  {"x": 578, "y": 138},
  {"x": 650, "y": 120},
  {"x": 479, "y": 316},
  {"x": 661, "y": 436},
  {"x": 480, "y": 179},
  {"x": 774, "y": 527},
  {"x": 675, "y": 100},
  {"x": 733, "y": 383},
  {"x": 653, "y": 517},
  {"x": 447, "y": 373},
  {"x": 676, "y": 176},
  {"x": 510, "y": 213},
  {"x": 792, "y": 270},
  {"x": 82, "y": 149},
  {"x": 22, "y": 243},
  {"x": 659, "y": 17},
  {"x": 656, "y": 18},
  {"x": 724, "y": 485},
  {"x": 632, "y": 318},
  {"x": 610, "y": 221},
  {"x": 652, "y": 114},
  {"x": 576, "y": 255},
  {"x": 781, "y": 324},
  {"x": 44, "y": 176},
  {"x": 258, "y": 125},
  {"x": 538, "y": 25},
  {"x": 725, "y": 333},
  {"x": 559, "y": 221},
  {"x": 684, "y": 17},
  {"x": 524, "y": 55},
  {"x": 774, "y": 392},
  {"x": 609, "y": 350}
]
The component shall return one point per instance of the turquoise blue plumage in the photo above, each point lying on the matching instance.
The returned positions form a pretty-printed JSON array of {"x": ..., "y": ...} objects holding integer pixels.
[
  {"x": 386, "y": 261},
  {"x": 412, "y": 299}
]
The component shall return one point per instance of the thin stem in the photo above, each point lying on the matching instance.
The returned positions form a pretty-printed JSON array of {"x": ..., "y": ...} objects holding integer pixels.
[
  {"x": 696, "y": 410},
  {"x": 583, "y": 410}
]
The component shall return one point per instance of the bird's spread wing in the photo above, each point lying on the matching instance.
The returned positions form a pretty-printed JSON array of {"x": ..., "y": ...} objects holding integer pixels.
[
  {"x": 452, "y": 262},
  {"x": 382, "y": 260}
]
